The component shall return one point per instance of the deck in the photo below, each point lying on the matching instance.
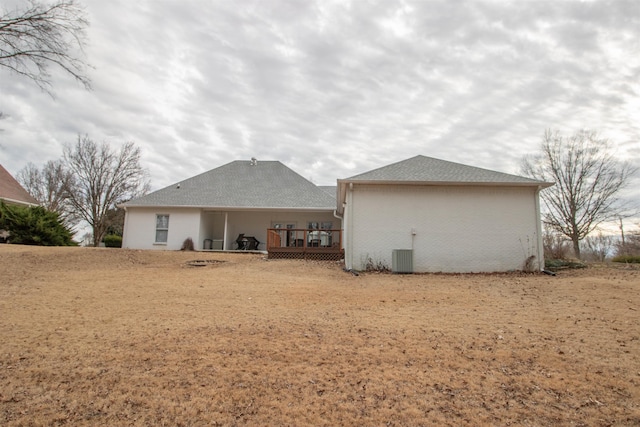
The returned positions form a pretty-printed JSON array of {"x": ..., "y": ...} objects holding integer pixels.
[{"x": 305, "y": 244}]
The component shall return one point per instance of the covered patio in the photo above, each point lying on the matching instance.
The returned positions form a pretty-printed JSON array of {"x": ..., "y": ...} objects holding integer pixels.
[{"x": 273, "y": 231}]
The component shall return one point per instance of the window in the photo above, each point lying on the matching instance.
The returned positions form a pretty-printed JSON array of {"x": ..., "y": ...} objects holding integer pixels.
[
  {"x": 320, "y": 225},
  {"x": 162, "y": 228}
]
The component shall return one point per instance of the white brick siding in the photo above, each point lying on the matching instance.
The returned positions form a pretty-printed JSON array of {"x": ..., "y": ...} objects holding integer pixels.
[
  {"x": 199, "y": 224},
  {"x": 457, "y": 228}
]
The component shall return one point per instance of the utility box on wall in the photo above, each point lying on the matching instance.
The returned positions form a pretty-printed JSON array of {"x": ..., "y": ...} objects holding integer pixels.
[{"x": 402, "y": 261}]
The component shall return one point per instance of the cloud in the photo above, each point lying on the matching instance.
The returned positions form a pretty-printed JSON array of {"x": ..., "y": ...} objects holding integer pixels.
[{"x": 335, "y": 88}]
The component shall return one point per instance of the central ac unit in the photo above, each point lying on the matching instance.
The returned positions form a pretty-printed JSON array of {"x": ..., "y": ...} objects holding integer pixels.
[{"x": 402, "y": 261}]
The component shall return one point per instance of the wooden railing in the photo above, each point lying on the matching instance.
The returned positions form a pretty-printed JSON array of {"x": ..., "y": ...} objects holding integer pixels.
[{"x": 304, "y": 243}]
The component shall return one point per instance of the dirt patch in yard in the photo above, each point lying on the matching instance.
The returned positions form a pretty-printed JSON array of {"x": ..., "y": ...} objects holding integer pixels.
[{"x": 119, "y": 337}]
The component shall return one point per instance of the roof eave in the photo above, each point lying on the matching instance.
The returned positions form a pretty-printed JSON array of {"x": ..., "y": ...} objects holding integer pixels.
[
  {"x": 451, "y": 183},
  {"x": 19, "y": 202},
  {"x": 232, "y": 208}
]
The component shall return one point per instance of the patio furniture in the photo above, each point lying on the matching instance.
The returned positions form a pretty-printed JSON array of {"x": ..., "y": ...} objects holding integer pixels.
[
  {"x": 241, "y": 242},
  {"x": 207, "y": 244},
  {"x": 252, "y": 243},
  {"x": 247, "y": 243},
  {"x": 318, "y": 238}
]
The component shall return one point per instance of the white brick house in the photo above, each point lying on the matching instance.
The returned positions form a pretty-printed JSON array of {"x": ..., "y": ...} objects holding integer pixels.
[
  {"x": 215, "y": 207},
  {"x": 453, "y": 217}
]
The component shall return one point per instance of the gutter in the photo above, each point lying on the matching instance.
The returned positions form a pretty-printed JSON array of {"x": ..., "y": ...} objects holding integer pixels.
[
  {"x": 19, "y": 202},
  {"x": 232, "y": 208},
  {"x": 538, "y": 184}
]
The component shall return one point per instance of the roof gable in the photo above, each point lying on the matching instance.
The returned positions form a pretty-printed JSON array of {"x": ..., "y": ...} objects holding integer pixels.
[
  {"x": 242, "y": 184},
  {"x": 429, "y": 170},
  {"x": 12, "y": 191},
  {"x": 422, "y": 170}
]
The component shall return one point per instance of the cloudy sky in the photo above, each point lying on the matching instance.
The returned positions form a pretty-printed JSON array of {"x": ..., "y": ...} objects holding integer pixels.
[{"x": 336, "y": 88}]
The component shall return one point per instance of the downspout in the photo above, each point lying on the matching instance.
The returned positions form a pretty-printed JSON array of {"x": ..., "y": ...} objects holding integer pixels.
[
  {"x": 540, "y": 251},
  {"x": 224, "y": 244},
  {"x": 341, "y": 218},
  {"x": 349, "y": 236},
  {"x": 124, "y": 229},
  {"x": 335, "y": 215}
]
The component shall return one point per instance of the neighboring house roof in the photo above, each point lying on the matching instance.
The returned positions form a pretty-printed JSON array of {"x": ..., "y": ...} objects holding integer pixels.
[
  {"x": 422, "y": 170},
  {"x": 12, "y": 192},
  {"x": 242, "y": 184}
]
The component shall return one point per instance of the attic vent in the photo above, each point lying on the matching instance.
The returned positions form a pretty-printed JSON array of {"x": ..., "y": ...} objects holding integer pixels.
[{"x": 254, "y": 161}]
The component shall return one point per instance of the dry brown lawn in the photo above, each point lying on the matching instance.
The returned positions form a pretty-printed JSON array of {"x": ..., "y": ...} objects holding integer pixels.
[{"x": 119, "y": 337}]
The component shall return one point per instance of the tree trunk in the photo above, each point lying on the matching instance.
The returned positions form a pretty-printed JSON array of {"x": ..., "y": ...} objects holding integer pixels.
[
  {"x": 576, "y": 246},
  {"x": 98, "y": 234}
]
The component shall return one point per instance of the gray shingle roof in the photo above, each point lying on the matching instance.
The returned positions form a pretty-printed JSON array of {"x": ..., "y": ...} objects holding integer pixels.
[
  {"x": 330, "y": 189},
  {"x": 422, "y": 170},
  {"x": 267, "y": 184},
  {"x": 428, "y": 169}
]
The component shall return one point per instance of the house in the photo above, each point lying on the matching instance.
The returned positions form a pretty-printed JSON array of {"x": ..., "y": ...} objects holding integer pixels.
[
  {"x": 12, "y": 192},
  {"x": 436, "y": 215},
  {"x": 447, "y": 216},
  {"x": 243, "y": 205}
]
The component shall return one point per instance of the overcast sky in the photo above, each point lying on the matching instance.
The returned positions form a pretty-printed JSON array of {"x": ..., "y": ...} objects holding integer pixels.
[{"x": 333, "y": 89}]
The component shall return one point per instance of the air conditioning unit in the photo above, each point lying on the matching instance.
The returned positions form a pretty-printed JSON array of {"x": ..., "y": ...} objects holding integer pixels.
[{"x": 402, "y": 261}]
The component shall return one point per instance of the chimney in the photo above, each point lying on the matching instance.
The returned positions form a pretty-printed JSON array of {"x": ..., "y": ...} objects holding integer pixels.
[{"x": 254, "y": 161}]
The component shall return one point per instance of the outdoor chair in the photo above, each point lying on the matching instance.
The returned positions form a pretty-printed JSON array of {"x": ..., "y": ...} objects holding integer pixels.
[
  {"x": 251, "y": 243},
  {"x": 242, "y": 242}
]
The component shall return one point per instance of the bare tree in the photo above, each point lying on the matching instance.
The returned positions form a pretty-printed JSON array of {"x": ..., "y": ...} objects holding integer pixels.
[
  {"x": 598, "y": 247},
  {"x": 48, "y": 186},
  {"x": 631, "y": 244},
  {"x": 556, "y": 245},
  {"x": 103, "y": 179},
  {"x": 588, "y": 180},
  {"x": 41, "y": 34}
]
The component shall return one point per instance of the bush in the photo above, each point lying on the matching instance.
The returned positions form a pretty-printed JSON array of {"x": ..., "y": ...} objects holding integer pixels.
[
  {"x": 187, "y": 245},
  {"x": 556, "y": 245},
  {"x": 112, "y": 241},
  {"x": 34, "y": 225},
  {"x": 631, "y": 245},
  {"x": 628, "y": 259},
  {"x": 377, "y": 265},
  {"x": 597, "y": 247},
  {"x": 561, "y": 264}
]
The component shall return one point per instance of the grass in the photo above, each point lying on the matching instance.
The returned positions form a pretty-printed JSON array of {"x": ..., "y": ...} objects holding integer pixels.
[{"x": 92, "y": 336}]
